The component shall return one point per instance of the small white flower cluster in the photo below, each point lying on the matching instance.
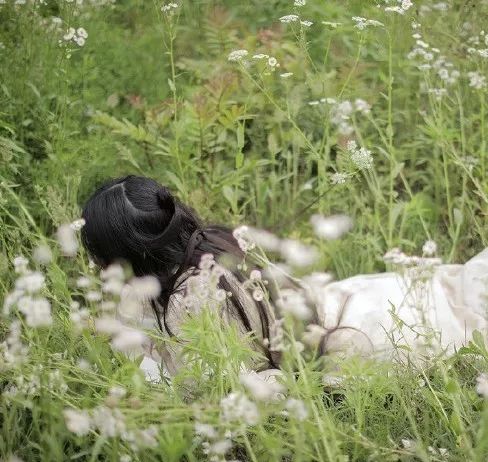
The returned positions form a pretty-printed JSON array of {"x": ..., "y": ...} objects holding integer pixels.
[
  {"x": 169, "y": 8},
  {"x": 237, "y": 55},
  {"x": 110, "y": 422},
  {"x": 296, "y": 408},
  {"x": 300, "y": 3},
  {"x": 478, "y": 45},
  {"x": 418, "y": 268},
  {"x": 363, "y": 23},
  {"x": 77, "y": 36},
  {"x": 338, "y": 178},
  {"x": 271, "y": 62},
  {"x": 401, "y": 8},
  {"x": 12, "y": 351},
  {"x": 439, "y": 6},
  {"x": 203, "y": 286},
  {"x": 294, "y": 252},
  {"x": 293, "y": 302},
  {"x": 476, "y": 80},
  {"x": 341, "y": 112},
  {"x": 360, "y": 157},
  {"x": 291, "y": 18},
  {"x": 268, "y": 390},
  {"x": 331, "y": 227},
  {"x": 67, "y": 239},
  {"x": 25, "y": 296}
]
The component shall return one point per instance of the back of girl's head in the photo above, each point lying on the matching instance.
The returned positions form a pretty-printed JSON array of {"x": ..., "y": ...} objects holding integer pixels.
[{"x": 137, "y": 220}]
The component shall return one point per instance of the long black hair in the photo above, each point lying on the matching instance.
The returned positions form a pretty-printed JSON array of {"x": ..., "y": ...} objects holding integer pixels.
[{"x": 137, "y": 220}]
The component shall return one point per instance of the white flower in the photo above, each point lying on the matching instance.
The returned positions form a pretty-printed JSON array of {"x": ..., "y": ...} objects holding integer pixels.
[
  {"x": 237, "y": 55},
  {"x": 338, "y": 178},
  {"x": 128, "y": 339},
  {"x": 429, "y": 248},
  {"x": 331, "y": 227},
  {"x": 169, "y": 7},
  {"x": 260, "y": 56},
  {"x": 145, "y": 287},
  {"x": 293, "y": 302},
  {"x": 272, "y": 62},
  {"x": 67, "y": 240},
  {"x": 42, "y": 254},
  {"x": 37, "y": 311},
  {"x": 298, "y": 254},
  {"x": 114, "y": 271},
  {"x": 313, "y": 335},
  {"x": 297, "y": 408},
  {"x": 70, "y": 33},
  {"x": 363, "y": 23},
  {"x": 108, "y": 325},
  {"x": 482, "y": 385},
  {"x": 236, "y": 407},
  {"x": 260, "y": 389},
  {"x": 306, "y": 23},
  {"x": 30, "y": 282},
  {"x": 83, "y": 282},
  {"x": 20, "y": 264},
  {"x": 77, "y": 422},
  {"x": 361, "y": 157},
  {"x": 80, "y": 41},
  {"x": 81, "y": 32},
  {"x": 300, "y": 3},
  {"x": 286, "y": 75},
  {"x": 476, "y": 80},
  {"x": 362, "y": 106},
  {"x": 110, "y": 422},
  {"x": 78, "y": 224},
  {"x": 289, "y": 18}
]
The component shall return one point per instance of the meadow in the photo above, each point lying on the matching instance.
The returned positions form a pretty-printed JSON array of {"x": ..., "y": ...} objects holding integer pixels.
[{"x": 259, "y": 113}]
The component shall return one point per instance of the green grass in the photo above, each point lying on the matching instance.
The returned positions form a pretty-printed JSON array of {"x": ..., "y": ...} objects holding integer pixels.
[{"x": 155, "y": 95}]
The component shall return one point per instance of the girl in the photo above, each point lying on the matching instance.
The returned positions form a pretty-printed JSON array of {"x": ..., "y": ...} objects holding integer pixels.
[{"x": 137, "y": 220}]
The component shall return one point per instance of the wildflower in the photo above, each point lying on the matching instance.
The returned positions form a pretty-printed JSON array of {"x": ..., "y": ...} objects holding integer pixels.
[
  {"x": 362, "y": 106},
  {"x": 169, "y": 7},
  {"x": 260, "y": 389},
  {"x": 361, "y": 157},
  {"x": 338, "y": 178},
  {"x": 30, "y": 282},
  {"x": 93, "y": 296},
  {"x": 298, "y": 254},
  {"x": 313, "y": 335},
  {"x": 236, "y": 407},
  {"x": 114, "y": 271},
  {"x": 146, "y": 287},
  {"x": 108, "y": 325},
  {"x": 408, "y": 444},
  {"x": 127, "y": 339},
  {"x": 77, "y": 422},
  {"x": 70, "y": 33},
  {"x": 110, "y": 422},
  {"x": 205, "y": 430},
  {"x": 286, "y": 75},
  {"x": 260, "y": 56},
  {"x": 258, "y": 294},
  {"x": 331, "y": 227},
  {"x": 289, "y": 18},
  {"x": 272, "y": 62},
  {"x": 37, "y": 311},
  {"x": 78, "y": 224},
  {"x": 297, "y": 408},
  {"x": 42, "y": 254},
  {"x": 306, "y": 23},
  {"x": 20, "y": 264},
  {"x": 83, "y": 282},
  {"x": 429, "y": 248},
  {"x": 482, "y": 385},
  {"x": 333, "y": 25},
  {"x": 300, "y": 3},
  {"x": 67, "y": 240},
  {"x": 237, "y": 55},
  {"x": 476, "y": 80},
  {"x": 293, "y": 302},
  {"x": 363, "y": 23},
  {"x": 241, "y": 234}
]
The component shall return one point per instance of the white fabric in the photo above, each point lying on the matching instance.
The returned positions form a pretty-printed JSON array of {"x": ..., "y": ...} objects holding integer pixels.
[{"x": 373, "y": 314}]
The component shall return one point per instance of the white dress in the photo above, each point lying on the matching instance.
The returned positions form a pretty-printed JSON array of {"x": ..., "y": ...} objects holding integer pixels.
[{"x": 375, "y": 314}]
